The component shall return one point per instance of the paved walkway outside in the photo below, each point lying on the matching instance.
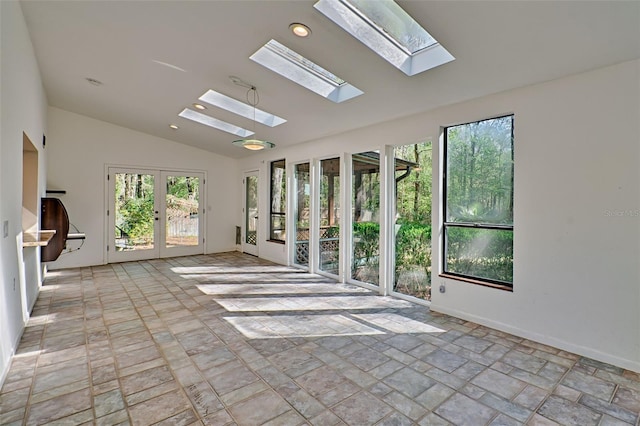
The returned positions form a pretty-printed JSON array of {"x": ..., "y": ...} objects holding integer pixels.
[{"x": 232, "y": 339}]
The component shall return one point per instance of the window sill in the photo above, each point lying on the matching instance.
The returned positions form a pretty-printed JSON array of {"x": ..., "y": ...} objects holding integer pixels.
[
  {"x": 276, "y": 241},
  {"x": 478, "y": 282}
]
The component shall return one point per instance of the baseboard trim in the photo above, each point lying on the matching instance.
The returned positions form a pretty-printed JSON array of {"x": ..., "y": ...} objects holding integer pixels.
[{"x": 541, "y": 338}]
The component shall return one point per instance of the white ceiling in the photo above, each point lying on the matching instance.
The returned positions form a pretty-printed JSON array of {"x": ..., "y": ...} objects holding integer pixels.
[{"x": 498, "y": 45}]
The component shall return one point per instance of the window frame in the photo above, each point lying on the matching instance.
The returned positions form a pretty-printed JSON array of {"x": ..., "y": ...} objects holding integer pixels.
[
  {"x": 273, "y": 214},
  {"x": 472, "y": 225}
]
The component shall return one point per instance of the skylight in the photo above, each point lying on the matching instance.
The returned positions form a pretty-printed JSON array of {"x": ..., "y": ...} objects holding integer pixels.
[
  {"x": 388, "y": 30},
  {"x": 284, "y": 61},
  {"x": 225, "y": 102},
  {"x": 215, "y": 123}
]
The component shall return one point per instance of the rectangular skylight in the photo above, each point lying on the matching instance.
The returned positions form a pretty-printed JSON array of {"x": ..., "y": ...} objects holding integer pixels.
[
  {"x": 384, "y": 27},
  {"x": 225, "y": 102},
  {"x": 284, "y": 61},
  {"x": 215, "y": 123}
]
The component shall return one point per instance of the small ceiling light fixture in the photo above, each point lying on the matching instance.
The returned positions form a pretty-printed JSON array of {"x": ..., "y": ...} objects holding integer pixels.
[
  {"x": 301, "y": 30},
  {"x": 253, "y": 144},
  {"x": 199, "y": 106},
  {"x": 173, "y": 126}
]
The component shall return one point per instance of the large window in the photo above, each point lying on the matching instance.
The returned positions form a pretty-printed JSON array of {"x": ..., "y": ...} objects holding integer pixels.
[
  {"x": 478, "y": 201},
  {"x": 365, "y": 196},
  {"x": 302, "y": 206},
  {"x": 329, "y": 238},
  {"x": 413, "y": 220},
  {"x": 278, "y": 201}
]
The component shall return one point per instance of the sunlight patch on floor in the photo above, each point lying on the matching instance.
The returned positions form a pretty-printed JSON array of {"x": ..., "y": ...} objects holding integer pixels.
[
  {"x": 270, "y": 269},
  {"x": 397, "y": 323},
  {"x": 238, "y": 289},
  {"x": 282, "y": 326},
  {"x": 320, "y": 303}
]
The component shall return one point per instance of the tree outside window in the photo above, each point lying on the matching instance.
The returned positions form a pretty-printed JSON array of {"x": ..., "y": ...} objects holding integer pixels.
[
  {"x": 478, "y": 207},
  {"x": 278, "y": 203}
]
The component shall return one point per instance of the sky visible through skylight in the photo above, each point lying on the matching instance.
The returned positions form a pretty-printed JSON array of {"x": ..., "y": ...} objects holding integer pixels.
[
  {"x": 290, "y": 64},
  {"x": 387, "y": 29},
  {"x": 392, "y": 20},
  {"x": 248, "y": 111}
]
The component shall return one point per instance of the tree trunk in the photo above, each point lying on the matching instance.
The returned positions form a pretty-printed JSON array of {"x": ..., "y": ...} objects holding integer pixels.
[{"x": 416, "y": 184}]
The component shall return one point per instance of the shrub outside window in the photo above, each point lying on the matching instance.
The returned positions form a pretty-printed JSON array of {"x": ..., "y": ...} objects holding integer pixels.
[
  {"x": 478, "y": 201},
  {"x": 278, "y": 202}
]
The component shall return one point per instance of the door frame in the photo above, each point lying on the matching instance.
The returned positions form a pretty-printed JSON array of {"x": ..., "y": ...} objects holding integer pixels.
[
  {"x": 160, "y": 250},
  {"x": 249, "y": 248}
]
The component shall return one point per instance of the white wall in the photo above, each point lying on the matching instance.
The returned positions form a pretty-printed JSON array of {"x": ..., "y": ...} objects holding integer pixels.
[
  {"x": 576, "y": 214},
  {"x": 23, "y": 109},
  {"x": 80, "y": 147}
]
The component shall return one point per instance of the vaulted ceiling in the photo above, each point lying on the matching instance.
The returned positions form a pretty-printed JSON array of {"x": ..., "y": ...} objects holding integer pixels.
[{"x": 129, "y": 45}]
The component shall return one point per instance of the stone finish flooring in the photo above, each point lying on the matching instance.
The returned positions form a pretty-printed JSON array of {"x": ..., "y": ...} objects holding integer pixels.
[{"x": 232, "y": 339}]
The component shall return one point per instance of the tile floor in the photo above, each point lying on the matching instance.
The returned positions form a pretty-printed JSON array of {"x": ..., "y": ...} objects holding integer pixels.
[{"x": 231, "y": 339}]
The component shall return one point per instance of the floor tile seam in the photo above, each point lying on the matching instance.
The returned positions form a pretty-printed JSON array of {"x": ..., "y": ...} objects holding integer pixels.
[
  {"x": 226, "y": 406},
  {"x": 89, "y": 361},
  {"x": 35, "y": 367},
  {"x": 457, "y": 392},
  {"x": 549, "y": 393},
  {"x": 115, "y": 364},
  {"x": 181, "y": 387},
  {"x": 33, "y": 381},
  {"x": 166, "y": 361},
  {"x": 546, "y": 391}
]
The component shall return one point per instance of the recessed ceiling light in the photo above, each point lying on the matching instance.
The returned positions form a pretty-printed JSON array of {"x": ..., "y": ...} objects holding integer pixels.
[
  {"x": 300, "y": 30},
  {"x": 199, "y": 106},
  {"x": 94, "y": 81},
  {"x": 173, "y": 126}
]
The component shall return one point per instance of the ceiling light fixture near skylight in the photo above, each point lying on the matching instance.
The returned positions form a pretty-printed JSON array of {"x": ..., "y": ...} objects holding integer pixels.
[
  {"x": 284, "y": 61},
  {"x": 225, "y": 102},
  {"x": 199, "y": 106},
  {"x": 388, "y": 30},
  {"x": 301, "y": 30},
  {"x": 215, "y": 123}
]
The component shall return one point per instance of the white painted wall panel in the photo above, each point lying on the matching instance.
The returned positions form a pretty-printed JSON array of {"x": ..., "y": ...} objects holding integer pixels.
[
  {"x": 577, "y": 209},
  {"x": 23, "y": 109},
  {"x": 79, "y": 149}
]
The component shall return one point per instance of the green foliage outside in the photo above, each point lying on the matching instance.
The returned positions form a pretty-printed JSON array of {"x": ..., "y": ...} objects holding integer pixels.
[
  {"x": 481, "y": 253},
  {"x": 479, "y": 192},
  {"x": 413, "y": 259},
  {"x": 135, "y": 204},
  {"x": 480, "y": 172},
  {"x": 365, "y": 236},
  {"x": 137, "y": 219},
  {"x": 413, "y": 222}
]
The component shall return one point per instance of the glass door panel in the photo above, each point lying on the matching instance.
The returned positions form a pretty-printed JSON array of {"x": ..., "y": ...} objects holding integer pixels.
[
  {"x": 302, "y": 200},
  {"x": 413, "y": 220},
  {"x": 250, "y": 238},
  {"x": 154, "y": 214},
  {"x": 365, "y": 260},
  {"x": 134, "y": 215},
  {"x": 329, "y": 238},
  {"x": 183, "y": 214}
]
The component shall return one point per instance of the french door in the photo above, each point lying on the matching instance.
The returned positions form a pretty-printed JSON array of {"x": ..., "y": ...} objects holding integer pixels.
[
  {"x": 154, "y": 213},
  {"x": 250, "y": 226}
]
